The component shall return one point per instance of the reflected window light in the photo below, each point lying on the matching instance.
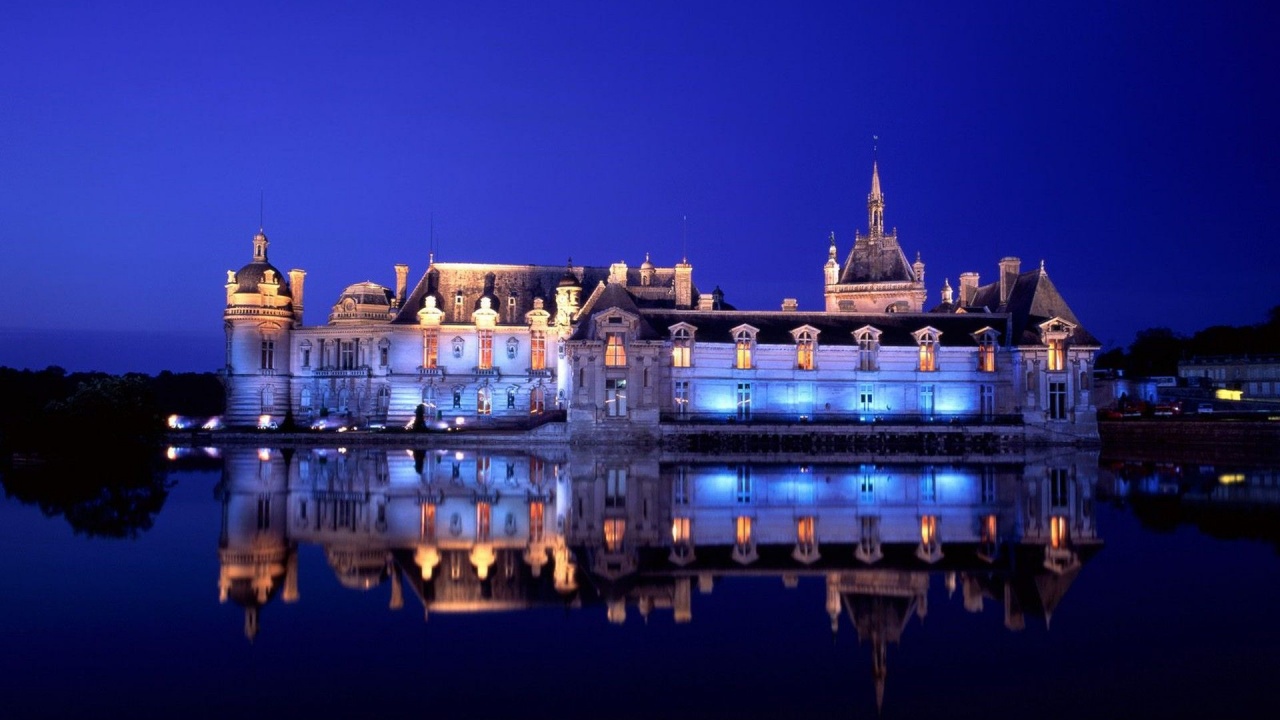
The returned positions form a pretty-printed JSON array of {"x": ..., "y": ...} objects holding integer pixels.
[
  {"x": 615, "y": 529},
  {"x": 1059, "y": 532}
]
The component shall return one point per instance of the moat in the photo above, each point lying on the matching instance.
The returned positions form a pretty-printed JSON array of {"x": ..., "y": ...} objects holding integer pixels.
[{"x": 360, "y": 581}]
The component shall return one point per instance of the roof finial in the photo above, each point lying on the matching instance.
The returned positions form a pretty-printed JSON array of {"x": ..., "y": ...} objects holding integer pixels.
[
  {"x": 684, "y": 239},
  {"x": 1042, "y": 266}
]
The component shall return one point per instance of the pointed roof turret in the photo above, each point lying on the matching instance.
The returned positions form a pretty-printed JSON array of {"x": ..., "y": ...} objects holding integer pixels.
[{"x": 875, "y": 204}]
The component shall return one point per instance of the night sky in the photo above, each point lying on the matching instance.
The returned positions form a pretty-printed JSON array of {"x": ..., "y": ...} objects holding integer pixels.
[{"x": 1132, "y": 146}]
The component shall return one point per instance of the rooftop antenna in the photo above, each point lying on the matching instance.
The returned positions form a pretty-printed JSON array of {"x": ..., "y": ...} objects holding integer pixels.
[
  {"x": 431, "y": 244},
  {"x": 684, "y": 238},
  {"x": 875, "y": 148},
  {"x": 262, "y": 203}
]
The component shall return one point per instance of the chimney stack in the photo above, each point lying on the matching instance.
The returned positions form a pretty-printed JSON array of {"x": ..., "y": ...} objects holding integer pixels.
[
  {"x": 1009, "y": 268},
  {"x": 402, "y": 282},
  {"x": 968, "y": 288},
  {"x": 684, "y": 285},
  {"x": 789, "y": 305}
]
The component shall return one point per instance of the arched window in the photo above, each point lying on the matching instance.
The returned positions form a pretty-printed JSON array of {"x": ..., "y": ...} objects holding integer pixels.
[
  {"x": 804, "y": 350},
  {"x": 868, "y": 348},
  {"x": 744, "y": 342},
  {"x": 537, "y": 400},
  {"x": 682, "y": 348},
  {"x": 927, "y": 339},
  {"x": 986, "y": 350}
]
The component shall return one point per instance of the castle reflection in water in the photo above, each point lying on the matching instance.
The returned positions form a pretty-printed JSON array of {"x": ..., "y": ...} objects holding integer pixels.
[{"x": 475, "y": 530}]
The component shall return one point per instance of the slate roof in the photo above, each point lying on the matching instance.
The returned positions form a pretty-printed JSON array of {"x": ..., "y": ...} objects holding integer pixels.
[
  {"x": 524, "y": 282},
  {"x": 1033, "y": 300},
  {"x": 875, "y": 259},
  {"x": 250, "y": 275}
]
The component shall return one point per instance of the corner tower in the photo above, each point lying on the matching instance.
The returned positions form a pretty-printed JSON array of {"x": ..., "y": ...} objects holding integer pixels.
[
  {"x": 876, "y": 276},
  {"x": 258, "y": 321}
]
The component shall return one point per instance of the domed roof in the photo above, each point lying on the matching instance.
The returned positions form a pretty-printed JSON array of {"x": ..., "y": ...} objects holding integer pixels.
[
  {"x": 367, "y": 293},
  {"x": 358, "y": 569},
  {"x": 249, "y": 276},
  {"x": 568, "y": 279},
  {"x": 646, "y": 265}
]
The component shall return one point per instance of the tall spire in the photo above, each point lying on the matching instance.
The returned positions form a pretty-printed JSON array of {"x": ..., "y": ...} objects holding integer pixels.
[{"x": 875, "y": 203}]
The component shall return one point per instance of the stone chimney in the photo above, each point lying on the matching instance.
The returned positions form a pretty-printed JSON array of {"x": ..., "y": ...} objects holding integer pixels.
[
  {"x": 296, "y": 280},
  {"x": 789, "y": 305},
  {"x": 684, "y": 285},
  {"x": 402, "y": 282},
  {"x": 618, "y": 273},
  {"x": 968, "y": 288},
  {"x": 1009, "y": 268}
]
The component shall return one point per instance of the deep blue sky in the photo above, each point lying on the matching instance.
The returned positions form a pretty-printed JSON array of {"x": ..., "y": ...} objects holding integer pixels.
[{"x": 1132, "y": 146}]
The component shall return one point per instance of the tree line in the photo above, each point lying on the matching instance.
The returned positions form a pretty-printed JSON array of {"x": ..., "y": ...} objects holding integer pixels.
[{"x": 1156, "y": 351}]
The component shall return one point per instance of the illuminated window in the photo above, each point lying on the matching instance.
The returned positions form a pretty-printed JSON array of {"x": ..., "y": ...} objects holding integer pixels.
[
  {"x": 513, "y": 347},
  {"x": 537, "y": 350},
  {"x": 430, "y": 348},
  {"x": 484, "y": 515},
  {"x": 804, "y": 351},
  {"x": 427, "y": 524},
  {"x": 742, "y": 532},
  {"x": 268, "y": 354},
  {"x": 682, "y": 397},
  {"x": 484, "y": 401},
  {"x": 615, "y": 351},
  {"x": 1059, "y": 532},
  {"x": 744, "y": 343},
  {"x": 928, "y": 530},
  {"x": 928, "y": 351},
  {"x": 987, "y": 352},
  {"x": 1057, "y": 400},
  {"x": 681, "y": 528},
  {"x": 486, "y": 349},
  {"x": 682, "y": 348},
  {"x": 989, "y": 529},
  {"x": 537, "y": 516},
  {"x": 615, "y": 529},
  {"x": 537, "y": 400},
  {"x": 1057, "y": 354},
  {"x": 805, "y": 536}
]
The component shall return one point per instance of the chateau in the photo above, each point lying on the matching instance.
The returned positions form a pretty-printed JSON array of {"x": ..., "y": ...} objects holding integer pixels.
[{"x": 624, "y": 353}]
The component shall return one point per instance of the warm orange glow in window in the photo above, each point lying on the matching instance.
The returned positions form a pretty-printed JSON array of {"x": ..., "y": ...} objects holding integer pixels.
[
  {"x": 743, "y": 343},
  {"x": 804, "y": 352},
  {"x": 743, "y": 534},
  {"x": 987, "y": 357},
  {"x": 989, "y": 529},
  {"x": 615, "y": 352},
  {"x": 427, "y": 529},
  {"x": 928, "y": 355},
  {"x": 486, "y": 349},
  {"x": 483, "y": 515},
  {"x": 805, "y": 531},
  {"x": 680, "y": 530},
  {"x": 538, "y": 350},
  {"x": 928, "y": 529},
  {"x": 1059, "y": 532},
  {"x": 614, "y": 530},
  {"x": 537, "y": 513},
  {"x": 430, "y": 348},
  {"x": 1057, "y": 354},
  {"x": 682, "y": 349}
]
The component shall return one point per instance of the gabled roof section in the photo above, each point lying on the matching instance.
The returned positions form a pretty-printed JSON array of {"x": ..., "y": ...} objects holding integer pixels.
[
  {"x": 1033, "y": 300},
  {"x": 609, "y": 297}
]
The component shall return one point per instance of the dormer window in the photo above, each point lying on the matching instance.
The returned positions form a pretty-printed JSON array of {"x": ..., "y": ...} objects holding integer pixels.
[
  {"x": 682, "y": 347},
  {"x": 1054, "y": 334},
  {"x": 927, "y": 339},
  {"x": 744, "y": 341},
  {"x": 868, "y": 348},
  {"x": 457, "y": 302},
  {"x": 806, "y": 342},
  {"x": 986, "y": 349}
]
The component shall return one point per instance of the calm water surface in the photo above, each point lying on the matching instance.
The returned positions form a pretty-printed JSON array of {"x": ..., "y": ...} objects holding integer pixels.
[{"x": 362, "y": 583}]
